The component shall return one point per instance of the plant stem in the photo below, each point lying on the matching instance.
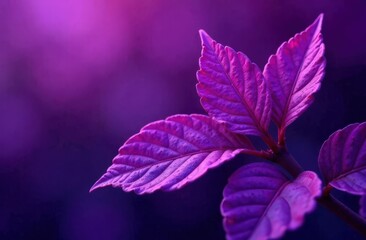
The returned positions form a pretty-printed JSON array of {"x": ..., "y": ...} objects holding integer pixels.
[
  {"x": 267, "y": 138},
  {"x": 260, "y": 154},
  {"x": 282, "y": 137},
  {"x": 284, "y": 158},
  {"x": 343, "y": 212}
]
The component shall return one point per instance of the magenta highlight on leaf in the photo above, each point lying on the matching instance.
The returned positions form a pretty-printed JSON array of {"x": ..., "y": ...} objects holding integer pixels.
[{"x": 262, "y": 200}]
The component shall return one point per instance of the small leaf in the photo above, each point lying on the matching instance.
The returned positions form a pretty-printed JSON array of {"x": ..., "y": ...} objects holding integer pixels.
[
  {"x": 363, "y": 206},
  {"x": 342, "y": 159},
  {"x": 232, "y": 88},
  {"x": 168, "y": 154},
  {"x": 294, "y": 74},
  {"x": 261, "y": 203}
]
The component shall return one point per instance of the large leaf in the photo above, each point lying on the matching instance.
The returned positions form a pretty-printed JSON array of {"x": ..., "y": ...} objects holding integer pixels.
[
  {"x": 261, "y": 203},
  {"x": 168, "y": 154},
  {"x": 342, "y": 159},
  {"x": 232, "y": 88},
  {"x": 294, "y": 74},
  {"x": 363, "y": 206}
]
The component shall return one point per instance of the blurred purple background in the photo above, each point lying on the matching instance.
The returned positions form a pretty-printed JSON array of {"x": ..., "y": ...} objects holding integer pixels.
[{"x": 78, "y": 77}]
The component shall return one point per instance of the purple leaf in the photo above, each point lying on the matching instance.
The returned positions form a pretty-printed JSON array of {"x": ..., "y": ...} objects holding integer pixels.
[
  {"x": 342, "y": 159},
  {"x": 169, "y": 153},
  {"x": 363, "y": 206},
  {"x": 261, "y": 203},
  {"x": 232, "y": 88},
  {"x": 294, "y": 74}
]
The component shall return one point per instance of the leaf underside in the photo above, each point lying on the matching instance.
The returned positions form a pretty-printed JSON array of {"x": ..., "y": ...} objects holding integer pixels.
[
  {"x": 232, "y": 88},
  {"x": 169, "y": 153},
  {"x": 342, "y": 159},
  {"x": 294, "y": 74},
  {"x": 261, "y": 203}
]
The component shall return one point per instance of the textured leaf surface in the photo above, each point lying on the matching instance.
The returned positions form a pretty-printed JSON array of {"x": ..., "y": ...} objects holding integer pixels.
[
  {"x": 363, "y": 206},
  {"x": 168, "y": 154},
  {"x": 294, "y": 74},
  {"x": 342, "y": 159},
  {"x": 261, "y": 203},
  {"x": 232, "y": 88}
]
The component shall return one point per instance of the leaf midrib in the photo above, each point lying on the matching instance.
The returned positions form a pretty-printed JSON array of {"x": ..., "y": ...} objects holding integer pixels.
[
  {"x": 290, "y": 96},
  {"x": 279, "y": 191},
  {"x": 244, "y": 102},
  {"x": 174, "y": 158},
  {"x": 345, "y": 174}
]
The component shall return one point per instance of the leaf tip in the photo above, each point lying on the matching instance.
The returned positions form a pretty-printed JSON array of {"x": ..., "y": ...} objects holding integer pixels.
[
  {"x": 318, "y": 22},
  {"x": 205, "y": 38},
  {"x": 98, "y": 184},
  {"x": 95, "y": 186},
  {"x": 320, "y": 18}
]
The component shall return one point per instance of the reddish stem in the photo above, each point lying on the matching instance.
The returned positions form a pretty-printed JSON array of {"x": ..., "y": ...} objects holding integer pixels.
[
  {"x": 282, "y": 137},
  {"x": 271, "y": 143},
  {"x": 260, "y": 154},
  {"x": 326, "y": 190}
]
